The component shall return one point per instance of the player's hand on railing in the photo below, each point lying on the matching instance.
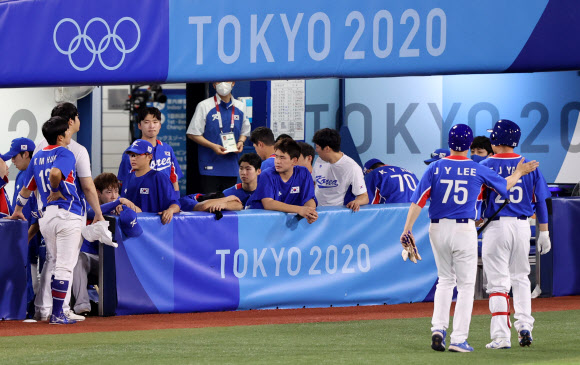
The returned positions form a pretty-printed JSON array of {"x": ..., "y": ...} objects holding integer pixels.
[
  {"x": 353, "y": 205},
  {"x": 17, "y": 215},
  {"x": 166, "y": 216},
  {"x": 309, "y": 213}
]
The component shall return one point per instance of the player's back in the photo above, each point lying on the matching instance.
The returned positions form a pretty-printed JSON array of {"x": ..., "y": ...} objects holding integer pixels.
[
  {"x": 527, "y": 191},
  {"x": 391, "y": 184},
  {"x": 38, "y": 178},
  {"x": 454, "y": 185}
]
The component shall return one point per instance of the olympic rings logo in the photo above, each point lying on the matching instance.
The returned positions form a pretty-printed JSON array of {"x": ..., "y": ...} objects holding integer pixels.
[{"x": 90, "y": 44}]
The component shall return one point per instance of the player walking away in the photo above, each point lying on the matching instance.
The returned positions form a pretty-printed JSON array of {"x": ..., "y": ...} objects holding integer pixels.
[
  {"x": 52, "y": 172},
  {"x": 506, "y": 241},
  {"x": 286, "y": 188},
  {"x": 388, "y": 184},
  {"x": 163, "y": 156},
  {"x": 306, "y": 155},
  {"x": 249, "y": 171},
  {"x": 480, "y": 148},
  {"x": 263, "y": 140},
  {"x": 437, "y": 155},
  {"x": 149, "y": 190},
  {"x": 454, "y": 185},
  {"x": 335, "y": 174}
]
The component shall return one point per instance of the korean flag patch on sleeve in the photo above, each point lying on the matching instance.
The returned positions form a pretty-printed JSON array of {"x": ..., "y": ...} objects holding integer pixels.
[
  {"x": 295, "y": 190},
  {"x": 144, "y": 191}
]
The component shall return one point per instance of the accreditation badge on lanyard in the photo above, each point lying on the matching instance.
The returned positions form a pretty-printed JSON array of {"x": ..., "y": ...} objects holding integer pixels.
[{"x": 228, "y": 139}]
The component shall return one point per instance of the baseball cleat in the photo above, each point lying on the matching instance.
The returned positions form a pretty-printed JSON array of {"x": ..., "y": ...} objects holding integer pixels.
[
  {"x": 499, "y": 344},
  {"x": 525, "y": 338},
  {"x": 71, "y": 315},
  {"x": 61, "y": 319},
  {"x": 40, "y": 318},
  {"x": 460, "y": 347},
  {"x": 438, "y": 340}
]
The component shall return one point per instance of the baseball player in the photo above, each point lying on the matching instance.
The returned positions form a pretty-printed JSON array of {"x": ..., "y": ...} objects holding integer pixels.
[
  {"x": 263, "y": 140},
  {"x": 480, "y": 148},
  {"x": 52, "y": 173},
  {"x": 437, "y": 155},
  {"x": 163, "y": 156},
  {"x": 286, "y": 188},
  {"x": 388, "y": 184},
  {"x": 249, "y": 171},
  {"x": 506, "y": 241},
  {"x": 454, "y": 185},
  {"x": 148, "y": 189}
]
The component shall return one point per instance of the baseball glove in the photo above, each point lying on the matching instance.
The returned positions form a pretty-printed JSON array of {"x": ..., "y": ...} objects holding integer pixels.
[{"x": 410, "y": 250}]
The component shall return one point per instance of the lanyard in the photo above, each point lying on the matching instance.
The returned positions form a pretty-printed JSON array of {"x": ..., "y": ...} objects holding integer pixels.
[{"x": 217, "y": 107}]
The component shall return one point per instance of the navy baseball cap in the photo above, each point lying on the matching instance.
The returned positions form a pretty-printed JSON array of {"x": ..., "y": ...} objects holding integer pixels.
[
  {"x": 437, "y": 155},
  {"x": 370, "y": 163},
  {"x": 19, "y": 145},
  {"x": 140, "y": 147},
  {"x": 128, "y": 223}
]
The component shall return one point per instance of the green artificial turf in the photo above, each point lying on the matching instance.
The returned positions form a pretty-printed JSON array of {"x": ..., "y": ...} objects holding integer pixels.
[{"x": 395, "y": 341}]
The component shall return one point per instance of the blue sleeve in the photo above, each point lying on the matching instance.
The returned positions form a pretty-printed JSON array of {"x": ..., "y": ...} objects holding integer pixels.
[
  {"x": 542, "y": 212},
  {"x": 124, "y": 168},
  {"x": 166, "y": 191},
  {"x": 188, "y": 202},
  {"x": 423, "y": 190},
  {"x": 308, "y": 188},
  {"x": 107, "y": 208},
  {"x": 230, "y": 191},
  {"x": 494, "y": 181},
  {"x": 265, "y": 188},
  {"x": 175, "y": 164},
  {"x": 65, "y": 162}
]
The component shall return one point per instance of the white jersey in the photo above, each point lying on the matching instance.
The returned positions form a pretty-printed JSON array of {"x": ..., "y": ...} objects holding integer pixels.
[
  {"x": 333, "y": 180},
  {"x": 83, "y": 162}
]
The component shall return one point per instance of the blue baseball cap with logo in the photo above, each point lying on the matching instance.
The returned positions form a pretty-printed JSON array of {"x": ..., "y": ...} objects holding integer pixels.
[
  {"x": 129, "y": 224},
  {"x": 140, "y": 147},
  {"x": 437, "y": 155},
  {"x": 370, "y": 164},
  {"x": 19, "y": 145}
]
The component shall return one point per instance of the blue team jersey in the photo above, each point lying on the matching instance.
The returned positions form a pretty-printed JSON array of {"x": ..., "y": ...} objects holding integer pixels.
[
  {"x": 390, "y": 184},
  {"x": 19, "y": 183},
  {"x": 298, "y": 190},
  {"x": 37, "y": 179},
  {"x": 455, "y": 185},
  {"x": 238, "y": 191},
  {"x": 268, "y": 163},
  {"x": 152, "y": 192},
  {"x": 523, "y": 196},
  {"x": 163, "y": 160},
  {"x": 189, "y": 202}
]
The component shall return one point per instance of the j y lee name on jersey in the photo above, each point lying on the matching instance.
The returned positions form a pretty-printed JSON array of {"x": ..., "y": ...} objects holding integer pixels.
[{"x": 461, "y": 171}]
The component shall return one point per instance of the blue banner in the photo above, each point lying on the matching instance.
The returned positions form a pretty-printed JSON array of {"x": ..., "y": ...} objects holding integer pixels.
[
  {"x": 60, "y": 42},
  {"x": 261, "y": 259},
  {"x": 14, "y": 254}
]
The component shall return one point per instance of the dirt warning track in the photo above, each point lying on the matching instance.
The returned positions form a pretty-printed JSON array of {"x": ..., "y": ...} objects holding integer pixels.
[{"x": 259, "y": 317}]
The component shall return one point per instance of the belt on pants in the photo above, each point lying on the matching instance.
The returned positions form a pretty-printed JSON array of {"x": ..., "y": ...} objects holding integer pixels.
[
  {"x": 521, "y": 217},
  {"x": 458, "y": 220}
]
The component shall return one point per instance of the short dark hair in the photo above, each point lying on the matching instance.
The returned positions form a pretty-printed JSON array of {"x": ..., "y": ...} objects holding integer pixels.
[
  {"x": 208, "y": 196},
  {"x": 106, "y": 180},
  {"x": 264, "y": 135},
  {"x": 307, "y": 150},
  {"x": 143, "y": 113},
  {"x": 482, "y": 142},
  {"x": 23, "y": 152},
  {"x": 327, "y": 137},
  {"x": 252, "y": 158},
  {"x": 288, "y": 146},
  {"x": 65, "y": 110},
  {"x": 54, "y": 127},
  {"x": 282, "y": 136},
  {"x": 376, "y": 165}
]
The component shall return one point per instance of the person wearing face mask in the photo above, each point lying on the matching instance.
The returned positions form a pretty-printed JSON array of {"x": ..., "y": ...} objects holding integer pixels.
[
  {"x": 480, "y": 149},
  {"x": 220, "y": 128}
]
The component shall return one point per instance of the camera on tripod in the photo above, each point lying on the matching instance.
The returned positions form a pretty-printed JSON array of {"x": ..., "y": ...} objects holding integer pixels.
[{"x": 138, "y": 100}]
